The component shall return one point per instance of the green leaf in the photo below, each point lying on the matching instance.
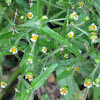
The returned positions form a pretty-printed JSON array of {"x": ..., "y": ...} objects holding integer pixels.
[
  {"x": 64, "y": 74},
  {"x": 60, "y": 39},
  {"x": 23, "y": 3},
  {"x": 96, "y": 93},
  {"x": 39, "y": 81}
]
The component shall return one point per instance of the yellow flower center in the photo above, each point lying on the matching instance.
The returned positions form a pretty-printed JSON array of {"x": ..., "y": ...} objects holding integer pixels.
[
  {"x": 80, "y": 3},
  {"x": 87, "y": 83},
  {"x": 29, "y": 61},
  {"x": 3, "y": 84},
  {"x": 77, "y": 69},
  {"x": 95, "y": 39},
  {"x": 74, "y": 15},
  {"x": 70, "y": 35},
  {"x": 29, "y": 15},
  {"x": 34, "y": 37},
  {"x": 13, "y": 50},
  {"x": 93, "y": 27},
  {"x": 29, "y": 77},
  {"x": 63, "y": 90},
  {"x": 45, "y": 49},
  {"x": 9, "y": 2},
  {"x": 93, "y": 34}
]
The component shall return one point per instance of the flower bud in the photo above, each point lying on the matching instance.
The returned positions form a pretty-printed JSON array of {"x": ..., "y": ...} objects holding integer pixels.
[
  {"x": 69, "y": 68},
  {"x": 86, "y": 19}
]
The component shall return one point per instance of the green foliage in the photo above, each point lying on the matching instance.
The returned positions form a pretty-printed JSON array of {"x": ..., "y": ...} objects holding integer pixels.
[{"x": 67, "y": 29}]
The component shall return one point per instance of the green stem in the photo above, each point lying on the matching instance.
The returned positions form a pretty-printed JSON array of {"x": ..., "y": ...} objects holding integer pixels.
[
  {"x": 53, "y": 53},
  {"x": 48, "y": 8},
  {"x": 58, "y": 14},
  {"x": 32, "y": 51},
  {"x": 93, "y": 73},
  {"x": 81, "y": 30},
  {"x": 1, "y": 73},
  {"x": 18, "y": 57},
  {"x": 44, "y": 66},
  {"x": 55, "y": 20},
  {"x": 27, "y": 37},
  {"x": 86, "y": 93},
  {"x": 38, "y": 8}
]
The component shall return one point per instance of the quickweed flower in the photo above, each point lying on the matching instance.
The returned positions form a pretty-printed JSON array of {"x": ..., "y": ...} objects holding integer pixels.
[
  {"x": 30, "y": 59},
  {"x": 9, "y": 2},
  {"x": 34, "y": 37},
  {"x": 30, "y": 15},
  {"x": 76, "y": 68},
  {"x": 64, "y": 90},
  {"x": 71, "y": 34},
  {"x": 75, "y": 16},
  {"x": 14, "y": 49},
  {"x": 66, "y": 55},
  {"x": 29, "y": 76},
  {"x": 3, "y": 84},
  {"x": 93, "y": 27},
  {"x": 45, "y": 68},
  {"x": 44, "y": 49},
  {"x": 88, "y": 82},
  {"x": 94, "y": 39},
  {"x": 97, "y": 82},
  {"x": 92, "y": 33},
  {"x": 80, "y": 4}
]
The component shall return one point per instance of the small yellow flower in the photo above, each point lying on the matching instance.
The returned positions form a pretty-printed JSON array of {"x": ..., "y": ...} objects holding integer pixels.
[
  {"x": 3, "y": 84},
  {"x": 71, "y": 34},
  {"x": 44, "y": 49},
  {"x": 94, "y": 39},
  {"x": 77, "y": 69},
  {"x": 64, "y": 91},
  {"x": 34, "y": 37},
  {"x": 66, "y": 55},
  {"x": 93, "y": 27},
  {"x": 80, "y": 4},
  {"x": 75, "y": 16},
  {"x": 45, "y": 68},
  {"x": 88, "y": 82},
  {"x": 92, "y": 33},
  {"x": 30, "y": 15},
  {"x": 29, "y": 77},
  {"x": 13, "y": 50},
  {"x": 30, "y": 60},
  {"x": 9, "y": 3}
]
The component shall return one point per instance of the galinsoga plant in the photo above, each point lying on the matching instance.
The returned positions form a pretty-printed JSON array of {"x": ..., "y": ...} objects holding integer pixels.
[{"x": 53, "y": 35}]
